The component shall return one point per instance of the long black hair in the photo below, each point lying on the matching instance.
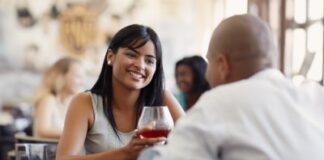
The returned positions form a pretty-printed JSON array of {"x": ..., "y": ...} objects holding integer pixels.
[
  {"x": 132, "y": 36},
  {"x": 198, "y": 67}
]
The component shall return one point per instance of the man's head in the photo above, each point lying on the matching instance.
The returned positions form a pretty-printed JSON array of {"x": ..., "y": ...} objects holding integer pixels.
[{"x": 240, "y": 46}]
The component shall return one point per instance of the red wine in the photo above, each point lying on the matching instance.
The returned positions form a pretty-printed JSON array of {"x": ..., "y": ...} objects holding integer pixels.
[{"x": 154, "y": 133}]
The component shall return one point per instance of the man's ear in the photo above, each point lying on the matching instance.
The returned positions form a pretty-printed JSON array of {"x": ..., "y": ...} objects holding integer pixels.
[
  {"x": 110, "y": 57},
  {"x": 224, "y": 67}
]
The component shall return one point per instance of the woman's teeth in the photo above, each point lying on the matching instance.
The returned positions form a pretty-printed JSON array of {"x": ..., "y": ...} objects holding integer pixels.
[{"x": 136, "y": 75}]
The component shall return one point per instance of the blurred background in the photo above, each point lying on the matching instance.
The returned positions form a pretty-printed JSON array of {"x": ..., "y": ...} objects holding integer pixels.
[{"x": 36, "y": 33}]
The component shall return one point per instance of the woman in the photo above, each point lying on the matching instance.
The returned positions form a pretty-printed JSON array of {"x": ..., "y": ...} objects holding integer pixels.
[
  {"x": 190, "y": 78},
  {"x": 59, "y": 84},
  {"x": 104, "y": 120}
]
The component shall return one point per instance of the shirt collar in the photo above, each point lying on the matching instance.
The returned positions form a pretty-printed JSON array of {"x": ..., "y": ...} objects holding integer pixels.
[{"x": 270, "y": 72}]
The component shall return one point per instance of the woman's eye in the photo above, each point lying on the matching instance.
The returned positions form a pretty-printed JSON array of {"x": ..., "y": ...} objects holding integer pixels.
[
  {"x": 131, "y": 55},
  {"x": 150, "y": 61}
]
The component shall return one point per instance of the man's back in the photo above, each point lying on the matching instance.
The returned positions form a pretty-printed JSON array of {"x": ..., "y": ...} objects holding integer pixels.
[
  {"x": 263, "y": 117},
  {"x": 253, "y": 112}
]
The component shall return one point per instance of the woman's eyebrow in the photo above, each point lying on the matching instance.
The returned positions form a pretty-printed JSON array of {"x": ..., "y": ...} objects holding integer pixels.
[
  {"x": 134, "y": 50},
  {"x": 150, "y": 56}
]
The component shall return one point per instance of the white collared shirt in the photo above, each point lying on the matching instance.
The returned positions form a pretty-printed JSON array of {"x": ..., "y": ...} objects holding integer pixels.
[{"x": 264, "y": 117}]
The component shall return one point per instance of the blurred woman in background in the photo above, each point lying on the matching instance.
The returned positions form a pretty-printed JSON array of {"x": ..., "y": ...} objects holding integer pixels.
[
  {"x": 190, "y": 79},
  {"x": 59, "y": 84}
]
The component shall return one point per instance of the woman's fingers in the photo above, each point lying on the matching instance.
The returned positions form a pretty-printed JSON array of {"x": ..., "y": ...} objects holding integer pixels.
[
  {"x": 148, "y": 141},
  {"x": 137, "y": 145},
  {"x": 136, "y": 134}
]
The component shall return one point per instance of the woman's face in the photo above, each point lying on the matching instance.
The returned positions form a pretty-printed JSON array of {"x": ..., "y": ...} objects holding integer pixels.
[
  {"x": 133, "y": 68},
  {"x": 184, "y": 78},
  {"x": 74, "y": 78}
]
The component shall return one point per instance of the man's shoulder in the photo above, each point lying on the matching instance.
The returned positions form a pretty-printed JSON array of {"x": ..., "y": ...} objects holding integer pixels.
[
  {"x": 241, "y": 87},
  {"x": 263, "y": 81},
  {"x": 241, "y": 93}
]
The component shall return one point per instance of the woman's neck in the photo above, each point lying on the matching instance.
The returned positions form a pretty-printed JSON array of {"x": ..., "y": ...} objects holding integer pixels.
[{"x": 125, "y": 98}]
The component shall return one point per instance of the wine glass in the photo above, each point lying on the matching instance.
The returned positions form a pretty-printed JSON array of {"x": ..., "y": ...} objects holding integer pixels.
[{"x": 155, "y": 121}]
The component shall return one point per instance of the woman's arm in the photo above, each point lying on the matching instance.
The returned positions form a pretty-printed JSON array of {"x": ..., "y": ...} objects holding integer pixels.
[
  {"x": 43, "y": 119},
  {"x": 78, "y": 121},
  {"x": 75, "y": 127},
  {"x": 174, "y": 106}
]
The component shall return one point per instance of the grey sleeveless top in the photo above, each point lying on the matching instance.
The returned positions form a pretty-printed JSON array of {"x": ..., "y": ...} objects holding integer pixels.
[{"x": 101, "y": 137}]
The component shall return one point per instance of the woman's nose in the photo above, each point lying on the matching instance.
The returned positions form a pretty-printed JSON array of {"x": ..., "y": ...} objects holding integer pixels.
[{"x": 140, "y": 63}]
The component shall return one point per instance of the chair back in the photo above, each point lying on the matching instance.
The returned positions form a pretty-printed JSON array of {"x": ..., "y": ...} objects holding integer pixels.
[{"x": 33, "y": 148}]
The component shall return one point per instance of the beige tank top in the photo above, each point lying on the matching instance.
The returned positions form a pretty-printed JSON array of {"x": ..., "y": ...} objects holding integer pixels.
[
  {"x": 57, "y": 117},
  {"x": 101, "y": 137}
]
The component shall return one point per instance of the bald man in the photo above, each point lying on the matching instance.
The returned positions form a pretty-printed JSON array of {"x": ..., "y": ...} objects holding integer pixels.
[{"x": 253, "y": 112}]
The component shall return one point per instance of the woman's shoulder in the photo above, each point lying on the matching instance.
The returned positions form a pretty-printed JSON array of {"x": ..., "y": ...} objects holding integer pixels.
[
  {"x": 82, "y": 98},
  {"x": 173, "y": 105},
  {"x": 81, "y": 102},
  {"x": 167, "y": 93},
  {"x": 45, "y": 101},
  {"x": 171, "y": 96},
  {"x": 168, "y": 96},
  {"x": 81, "y": 106}
]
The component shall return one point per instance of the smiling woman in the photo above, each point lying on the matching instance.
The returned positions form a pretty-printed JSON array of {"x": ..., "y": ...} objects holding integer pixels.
[
  {"x": 190, "y": 77},
  {"x": 104, "y": 119},
  {"x": 135, "y": 67}
]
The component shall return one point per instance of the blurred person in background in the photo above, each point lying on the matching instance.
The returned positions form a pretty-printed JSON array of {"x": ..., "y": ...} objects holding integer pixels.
[
  {"x": 59, "y": 84},
  {"x": 190, "y": 79},
  {"x": 104, "y": 119}
]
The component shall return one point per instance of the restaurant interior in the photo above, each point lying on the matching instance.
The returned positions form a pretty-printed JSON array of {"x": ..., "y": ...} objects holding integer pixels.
[{"x": 34, "y": 34}]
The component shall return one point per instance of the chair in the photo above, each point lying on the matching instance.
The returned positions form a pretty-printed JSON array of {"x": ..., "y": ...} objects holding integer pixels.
[
  {"x": 28, "y": 147},
  {"x": 31, "y": 139}
]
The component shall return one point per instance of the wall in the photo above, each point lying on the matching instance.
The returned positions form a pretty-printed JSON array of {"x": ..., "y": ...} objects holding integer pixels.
[{"x": 25, "y": 52}]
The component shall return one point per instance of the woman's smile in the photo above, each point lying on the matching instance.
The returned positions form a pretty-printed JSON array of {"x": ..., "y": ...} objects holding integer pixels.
[{"x": 136, "y": 75}]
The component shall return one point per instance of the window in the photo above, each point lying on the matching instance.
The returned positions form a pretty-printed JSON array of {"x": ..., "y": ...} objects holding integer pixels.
[{"x": 304, "y": 40}]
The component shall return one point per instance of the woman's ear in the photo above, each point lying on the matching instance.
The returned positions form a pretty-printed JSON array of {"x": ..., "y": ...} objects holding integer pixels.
[{"x": 110, "y": 57}]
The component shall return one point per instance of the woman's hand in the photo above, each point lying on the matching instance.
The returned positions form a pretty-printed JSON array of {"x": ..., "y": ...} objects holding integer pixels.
[{"x": 136, "y": 145}]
